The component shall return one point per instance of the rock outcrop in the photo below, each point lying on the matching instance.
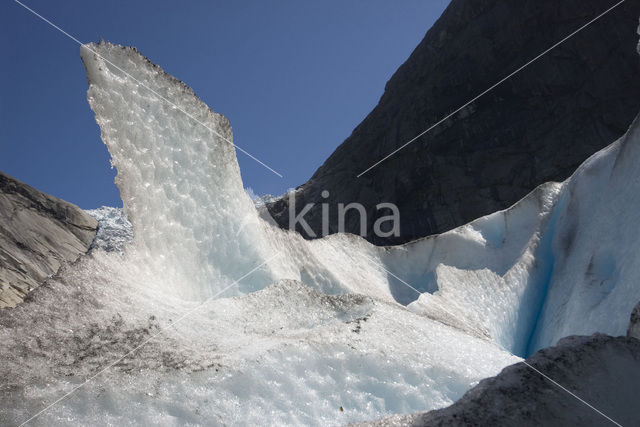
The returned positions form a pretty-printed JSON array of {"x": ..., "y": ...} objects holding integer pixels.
[
  {"x": 537, "y": 126},
  {"x": 38, "y": 233}
]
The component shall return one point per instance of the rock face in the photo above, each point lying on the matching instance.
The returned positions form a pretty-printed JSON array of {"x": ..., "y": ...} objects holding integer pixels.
[
  {"x": 38, "y": 233},
  {"x": 537, "y": 126},
  {"x": 602, "y": 370},
  {"x": 634, "y": 323}
]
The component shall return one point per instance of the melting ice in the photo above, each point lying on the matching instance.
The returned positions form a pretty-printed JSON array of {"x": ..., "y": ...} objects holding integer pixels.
[{"x": 317, "y": 325}]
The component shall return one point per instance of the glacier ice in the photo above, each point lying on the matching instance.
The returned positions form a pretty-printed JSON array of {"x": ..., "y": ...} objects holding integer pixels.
[
  {"x": 316, "y": 325},
  {"x": 288, "y": 353},
  {"x": 595, "y": 246},
  {"x": 182, "y": 190},
  {"x": 114, "y": 230},
  {"x": 177, "y": 174},
  {"x": 601, "y": 369}
]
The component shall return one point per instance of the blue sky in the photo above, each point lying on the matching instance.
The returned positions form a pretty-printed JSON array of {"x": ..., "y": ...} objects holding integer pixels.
[{"x": 293, "y": 77}]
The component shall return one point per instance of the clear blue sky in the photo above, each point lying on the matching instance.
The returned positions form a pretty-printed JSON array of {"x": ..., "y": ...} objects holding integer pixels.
[{"x": 293, "y": 77}]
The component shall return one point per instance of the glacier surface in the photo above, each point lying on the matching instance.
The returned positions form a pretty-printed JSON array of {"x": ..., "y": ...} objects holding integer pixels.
[{"x": 221, "y": 317}]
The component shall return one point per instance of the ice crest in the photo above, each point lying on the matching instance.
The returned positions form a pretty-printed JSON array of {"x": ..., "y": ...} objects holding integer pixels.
[{"x": 178, "y": 176}]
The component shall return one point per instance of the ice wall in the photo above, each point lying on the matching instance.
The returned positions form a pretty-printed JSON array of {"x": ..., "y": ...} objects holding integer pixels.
[
  {"x": 487, "y": 271},
  {"x": 177, "y": 174},
  {"x": 596, "y": 246}
]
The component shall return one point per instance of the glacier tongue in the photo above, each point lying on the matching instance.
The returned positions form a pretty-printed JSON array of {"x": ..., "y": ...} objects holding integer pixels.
[{"x": 316, "y": 325}]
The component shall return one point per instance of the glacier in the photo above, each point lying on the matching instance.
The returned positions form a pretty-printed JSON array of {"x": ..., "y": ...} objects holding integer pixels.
[
  {"x": 115, "y": 230},
  {"x": 203, "y": 311}
]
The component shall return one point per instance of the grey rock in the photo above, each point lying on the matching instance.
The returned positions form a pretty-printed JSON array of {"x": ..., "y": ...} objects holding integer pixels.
[
  {"x": 38, "y": 233},
  {"x": 538, "y": 126},
  {"x": 602, "y": 370},
  {"x": 634, "y": 323}
]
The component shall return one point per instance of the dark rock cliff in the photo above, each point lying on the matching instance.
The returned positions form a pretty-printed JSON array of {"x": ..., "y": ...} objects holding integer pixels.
[
  {"x": 38, "y": 233},
  {"x": 537, "y": 126}
]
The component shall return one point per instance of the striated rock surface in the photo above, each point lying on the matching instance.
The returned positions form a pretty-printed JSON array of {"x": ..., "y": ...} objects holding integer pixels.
[
  {"x": 38, "y": 233},
  {"x": 536, "y": 127}
]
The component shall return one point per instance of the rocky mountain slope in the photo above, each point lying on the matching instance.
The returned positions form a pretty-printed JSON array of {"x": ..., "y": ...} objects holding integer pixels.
[
  {"x": 38, "y": 233},
  {"x": 536, "y": 127}
]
